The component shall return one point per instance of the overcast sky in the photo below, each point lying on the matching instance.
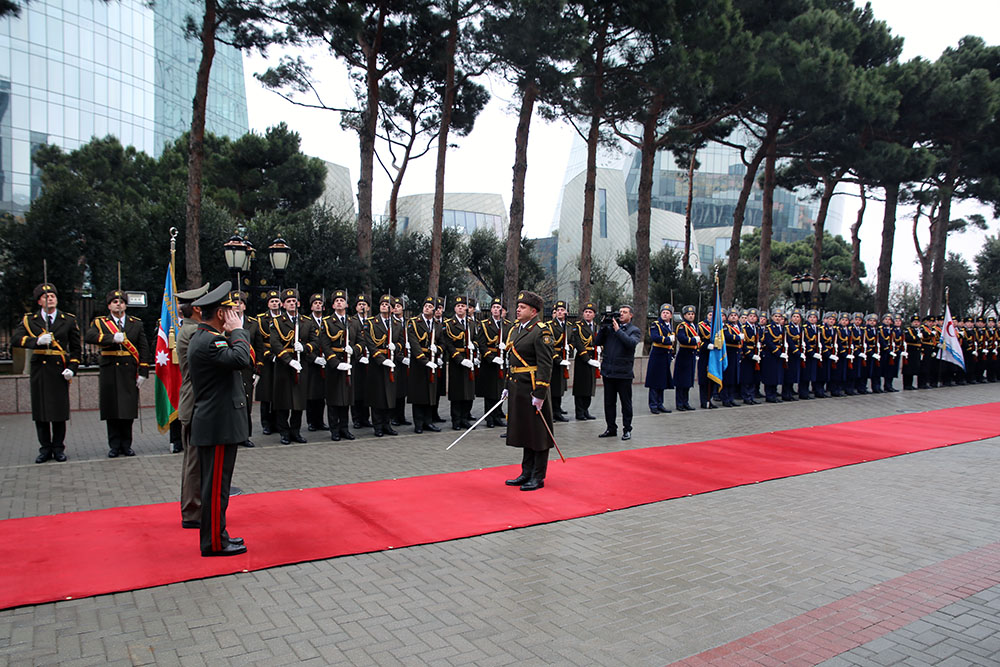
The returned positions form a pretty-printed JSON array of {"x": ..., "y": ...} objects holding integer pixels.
[{"x": 483, "y": 160}]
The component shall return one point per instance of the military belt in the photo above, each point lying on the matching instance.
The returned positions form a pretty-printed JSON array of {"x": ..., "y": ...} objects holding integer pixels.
[
  {"x": 688, "y": 347},
  {"x": 115, "y": 353},
  {"x": 523, "y": 369},
  {"x": 55, "y": 353},
  {"x": 663, "y": 345}
]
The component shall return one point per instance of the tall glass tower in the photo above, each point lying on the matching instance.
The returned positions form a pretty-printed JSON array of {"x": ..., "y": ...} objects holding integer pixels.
[{"x": 71, "y": 70}]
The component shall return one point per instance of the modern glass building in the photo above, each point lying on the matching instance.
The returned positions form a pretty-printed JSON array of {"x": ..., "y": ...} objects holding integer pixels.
[{"x": 71, "y": 70}]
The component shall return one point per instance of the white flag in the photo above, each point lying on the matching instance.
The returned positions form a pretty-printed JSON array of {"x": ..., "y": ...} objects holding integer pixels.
[{"x": 951, "y": 349}]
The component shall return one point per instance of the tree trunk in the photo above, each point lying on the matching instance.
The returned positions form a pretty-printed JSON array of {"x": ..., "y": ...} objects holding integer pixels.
[
  {"x": 855, "y": 281},
  {"x": 397, "y": 182},
  {"x": 511, "y": 264},
  {"x": 447, "y": 103},
  {"x": 738, "y": 215},
  {"x": 766, "y": 229},
  {"x": 640, "y": 298},
  {"x": 885, "y": 258},
  {"x": 366, "y": 140},
  {"x": 686, "y": 258},
  {"x": 939, "y": 230},
  {"x": 829, "y": 185},
  {"x": 925, "y": 262},
  {"x": 196, "y": 150},
  {"x": 590, "y": 185}
]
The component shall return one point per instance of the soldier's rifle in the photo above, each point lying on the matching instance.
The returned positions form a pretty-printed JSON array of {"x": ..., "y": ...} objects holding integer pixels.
[
  {"x": 347, "y": 339},
  {"x": 469, "y": 354},
  {"x": 298, "y": 355},
  {"x": 388, "y": 336}
]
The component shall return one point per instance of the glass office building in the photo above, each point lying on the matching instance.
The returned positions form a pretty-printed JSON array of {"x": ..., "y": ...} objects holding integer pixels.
[{"x": 71, "y": 70}]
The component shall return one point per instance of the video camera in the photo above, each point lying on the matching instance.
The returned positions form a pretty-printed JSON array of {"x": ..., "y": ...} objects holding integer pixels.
[{"x": 609, "y": 317}]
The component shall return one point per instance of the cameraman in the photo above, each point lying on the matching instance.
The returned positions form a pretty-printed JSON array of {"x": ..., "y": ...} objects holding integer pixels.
[{"x": 619, "y": 337}]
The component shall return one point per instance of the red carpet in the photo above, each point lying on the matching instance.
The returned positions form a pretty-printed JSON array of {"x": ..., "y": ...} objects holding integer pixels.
[{"x": 81, "y": 554}]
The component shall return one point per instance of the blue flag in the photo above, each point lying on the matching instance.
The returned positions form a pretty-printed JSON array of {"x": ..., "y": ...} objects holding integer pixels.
[
  {"x": 717, "y": 359},
  {"x": 950, "y": 349}
]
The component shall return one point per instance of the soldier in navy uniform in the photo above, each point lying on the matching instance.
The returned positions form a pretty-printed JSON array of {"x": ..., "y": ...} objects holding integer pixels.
[
  {"x": 529, "y": 366},
  {"x": 338, "y": 390},
  {"x": 265, "y": 385},
  {"x": 358, "y": 325},
  {"x": 684, "y": 365},
  {"x": 53, "y": 336},
  {"x": 793, "y": 347},
  {"x": 490, "y": 380},
  {"x": 825, "y": 384},
  {"x": 750, "y": 359},
  {"x": 291, "y": 355},
  {"x": 559, "y": 326},
  {"x": 424, "y": 335},
  {"x": 661, "y": 354},
  {"x": 993, "y": 349},
  {"x": 124, "y": 366},
  {"x": 843, "y": 367},
  {"x": 586, "y": 365},
  {"x": 859, "y": 376},
  {"x": 315, "y": 375},
  {"x": 460, "y": 348},
  {"x": 705, "y": 345},
  {"x": 874, "y": 358},
  {"x": 910, "y": 356},
  {"x": 383, "y": 339},
  {"x": 774, "y": 359},
  {"x": 733, "y": 337}
]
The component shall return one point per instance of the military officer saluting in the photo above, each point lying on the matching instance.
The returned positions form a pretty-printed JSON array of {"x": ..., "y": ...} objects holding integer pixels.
[
  {"x": 491, "y": 344},
  {"x": 53, "y": 336},
  {"x": 586, "y": 362},
  {"x": 423, "y": 333},
  {"x": 124, "y": 365},
  {"x": 529, "y": 355}
]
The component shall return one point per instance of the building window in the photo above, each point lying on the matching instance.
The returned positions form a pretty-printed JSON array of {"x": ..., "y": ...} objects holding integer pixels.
[
  {"x": 722, "y": 247},
  {"x": 602, "y": 203}
]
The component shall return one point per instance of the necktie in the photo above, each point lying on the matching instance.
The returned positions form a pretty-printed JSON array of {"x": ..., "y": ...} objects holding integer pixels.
[{"x": 51, "y": 319}]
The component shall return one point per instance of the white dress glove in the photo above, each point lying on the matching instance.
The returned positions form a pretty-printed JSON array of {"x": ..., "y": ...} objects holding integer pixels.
[
  {"x": 406, "y": 361},
  {"x": 877, "y": 357},
  {"x": 44, "y": 339},
  {"x": 363, "y": 360},
  {"x": 139, "y": 380},
  {"x": 297, "y": 346},
  {"x": 498, "y": 360},
  {"x": 756, "y": 357},
  {"x": 503, "y": 346},
  {"x": 431, "y": 366},
  {"x": 477, "y": 362},
  {"x": 349, "y": 350},
  {"x": 119, "y": 337},
  {"x": 392, "y": 347},
  {"x": 295, "y": 365},
  {"x": 68, "y": 374},
  {"x": 892, "y": 354},
  {"x": 504, "y": 395},
  {"x": 670, "y": 338},
  {"x": 472, "y": 346},
  {"x": 564, "y": 362},
  {"x": 537, "y": 403},
  {"x": 743, "y": 336},
  {"x": 468, "y": 364},
  {"x": 834, "y": 357},
  {"x": 711, "y": 346},
  {"x": 434, "y": 348},
  {"x": 256, "y": 379},
  {"x": 904, "y": 354},
  {"x": 850, "y": 357},
  {"x": 862, "y": 355},
  {"x": 389, "y": 362},
  {"x": 320, "y": 361},
  {"x": 343, "y": 366},
  {"x": 817, "y": 355},
  {"x": 784, "y": 355},
  {"x": 594, "y": 363}
]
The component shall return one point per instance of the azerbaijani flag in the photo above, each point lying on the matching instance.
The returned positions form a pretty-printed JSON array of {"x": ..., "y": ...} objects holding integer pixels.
[
  {"x": 167, "y": 384},
  {"x": 717, "y": 359}
]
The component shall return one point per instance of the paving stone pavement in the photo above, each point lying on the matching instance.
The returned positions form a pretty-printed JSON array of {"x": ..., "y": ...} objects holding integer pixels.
[{"x": 643, "y": 586}]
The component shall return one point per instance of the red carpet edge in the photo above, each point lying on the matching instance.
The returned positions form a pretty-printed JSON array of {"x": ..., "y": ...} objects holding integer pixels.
[{"x": 82, "y": 554}]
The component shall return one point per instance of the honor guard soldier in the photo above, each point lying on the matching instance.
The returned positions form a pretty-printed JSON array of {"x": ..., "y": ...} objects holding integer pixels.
[
  {"x": 559, "y": 326},
  {"x": 402, "y": 387},
  {"x": 424, "y": 336},
  {"x": 732, "y": 336},
  {"x": 124, "y": 366},
  {"x": 529, "y": 355},
  {"x": 859, "y": 376},
  {"x": 842, "y": 369},
  {"x": 586, "y": 362},
  {"x": 750, "y": 360},
  {"x": 492, "y": 342},
  {"x": 705, "y": 345},
  {"x": 291, "y": 339},
  {"x": 190, "y": 466},
  {"x": 872, "y": 356},
  {"x": 250, "y": 375},
  {"x": 442, "y": 363},
  {"x": 826, "y": 332},
  {"x": 265, "y": 369},
  {"x": 775, "y": 357},
  {"x": 684, "y": 366},
  {"x": 982, "y": 343},
  {"x": 218, "y": 351},
  {"x": 460, "y": 346},
  {"x": 53, "y": 336},
  {"x": 888, "y": 355},
  {"x": 661, "y": 354},
  {"x": 910, "y": 356},
  {"x": 315, "y": 376},
  {"x": 334, "y": 344},
  {"x": 358, "y": 325},
  {"x": 992, "y": 349},
  {"x": 810, "y": 354},
  {"x": 793, "y": 347},
  {"x": 384, "y": 343}
]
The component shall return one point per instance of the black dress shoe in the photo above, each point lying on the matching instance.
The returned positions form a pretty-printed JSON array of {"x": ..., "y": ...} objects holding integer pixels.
[
  {"x": 432, "y": 427},
  {"x": 59, "y": 457},
  {"x": 589, "y": 416},
  {"x": 175, "y": 448},
  {"x": 417, "y": 429},
  {"x": 285, "y": 440},
  {"x": 229, "y": 549},
  {"x": 559, "y": 418},
  {"x": 518, "y": 481},
  {"x": 710, "y": 406},
  {"x": 500, "y": 421},
  {"x": 235, "y": 540},
  {"x": 580, "y": 417},
  {"x": 357, "y": 425},
  {"x": 297, "y": 437},
  {"x": 465, "y": 423},
  {"x": 438, "y": 419},
  {"x": 249, "y": 444},
  {"x": 532, "y": 485},
  {"x": 404, "y": 422},
  {"x": 654, "y": 411},
  {"x": 388, "y": 430},
  {"x": 729, "y": 404},
  {"x": 394, "y": 422},
  {"x": 609, "y": 433},
  {"x": 346, "y": 435},
  {"x": 664, "y": 411},
  {"x": 335, "y": 437},
  {"x": 626, "y": 435},
  {"x": 490, "y": 424},
  {"x": 112, "y": 454},
  {"x": 129, "y": 452},
  {"x": 772, "y": 400},
  {"x": 311, "y": 428},
  {"x": 266, "y": 430},
  {"x": 190, "y": 524},
  {"x": 42, "y": 458},
  {"x": 455, "y": 426},
  {"x": 379, "y": 434}
]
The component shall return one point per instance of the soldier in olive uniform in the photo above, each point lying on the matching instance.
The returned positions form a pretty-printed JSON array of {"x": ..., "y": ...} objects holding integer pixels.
[
  {"x": 338, "y": 391},
  {"x": 315, "y": 374},
  {"x": 586, "y": 364},
  {"x": 402, "y": 388},
  {"x": 265, "y": 369},
  {"x": 219, "y": 423},
  {"x": 384, "y": 343},
  {"x": 53, "y": 336},
  {"x": 529, "y": 367},
  {"x": 460, "y": 348},
  {"x": 491, "y": 344},
  {"x": 190, "y": 466},
  {"x": 291, "y": 354},
  {"x": 442, "y": 371},
  {"x": 358, "y": 352},
  {"x": 423, "y": 335},
  {"x": 124, "y": 367},
  {"x": 559, "y": 326}
]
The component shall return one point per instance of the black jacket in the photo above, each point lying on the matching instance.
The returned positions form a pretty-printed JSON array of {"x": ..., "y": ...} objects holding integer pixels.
[
  {"x": 619, "y": 350},
  {"x": 220, "y": 404}
]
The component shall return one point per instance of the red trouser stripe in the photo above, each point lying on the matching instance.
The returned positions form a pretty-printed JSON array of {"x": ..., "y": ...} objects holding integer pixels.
[{"x": 220, "y": 457}]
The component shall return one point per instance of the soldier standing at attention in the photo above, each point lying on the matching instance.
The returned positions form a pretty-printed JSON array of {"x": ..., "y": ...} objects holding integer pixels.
[
  {"x": 705, "y": 345},
  {"x": 316, "y": 374},
  {"x": 750, "y": 360},
  {"x": 334, "y": 345},
  {"x": 529, "y": 350},
  {"x": 424, "y": 336},
  {"x": 265, "y": 386},
  {"x": 290, "y": 354},
  {"x": 661, "y": 354},
  {"x": 559, "y": 327},
  {"x": 492, "y": 334},
  {"x": 53, "y": 337},
  {"x": 459, "y": 343},
  {"x": 586, "y": 365},
  {"x": 684, "y": 365},
  {"x": 402, "y": 387},
  {"x": 358, "y": 326},
  {"x": 442, "y": 372},
  {"x": 219, "y": 422},
  {"x": 774, "y": 359},
  {"x": 384, "y": 341},
  {"x": 124, "y": 367}
]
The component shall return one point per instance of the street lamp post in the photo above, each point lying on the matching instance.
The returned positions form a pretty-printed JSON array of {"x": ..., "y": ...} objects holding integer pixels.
[
  {"x": 807, "y": 288},
  {"x": 240, "y": 253},
  {"x": 825, "y": 283},
  {"x": 797, "y": 290}
]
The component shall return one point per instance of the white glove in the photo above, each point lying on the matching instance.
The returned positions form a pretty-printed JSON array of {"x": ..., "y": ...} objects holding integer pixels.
[
  {"x": 974, "y": 353},
  {"x": 44, "y": 339},
  {"x": 434, "y": 348},
  {"x": 920, "y": 334},
  {"x": 670, "y": 338},
  {"x": 711, "y": 346},
  {"x": 297, "y": 346},
  {"x": 119, "y": 337},
  {"x": 389, "y": 362},
  {"x": 504, "y": 395},
  {"x": 498, "y": 360},
  {"x": 472, "y": 346},
  {"x": 363, "y": 360},
  {"x": 139, "y": 380},
  {"x": 477, "y": 362},
  {"x": 892, "y": 354},
  {"x": 503, "y": 346},
  {"x": 756, "y": 357},
  {"x": 743, "y": 336},
  {"x": 295, "y": 365},
  {"x": 564, "y": 362},
  {"x": 817, "y": 355},
  {"x": 850, "y": 357},
  {"x": 256, "y": 379},
  {"x": 862, "y": 355},
  {"x": 877, "y": 357},
  {"x": 431, "y": 366},
  {"x": 68, "y": 374},
  {"x": 784, "y": 356},
  {"x": 343, "y": 366},
  {"x": 349, "y": 350},
  {"x": 406, "y": 361},
  {"x": 537, "y": 403},
  {"x": 392, "y": 347},
  {"x": 594, "y": 363},
  {"x": 802, "y": 355},
  {"x": 468, "y": 364},
  {"x": 834, "y": 357},
  {"x": 904, "y": 354},
  {"x": 320, "y": 361}
]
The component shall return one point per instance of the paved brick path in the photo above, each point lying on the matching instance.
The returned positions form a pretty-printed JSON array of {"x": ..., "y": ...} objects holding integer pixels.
[{"x": 645, "y": 586}]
